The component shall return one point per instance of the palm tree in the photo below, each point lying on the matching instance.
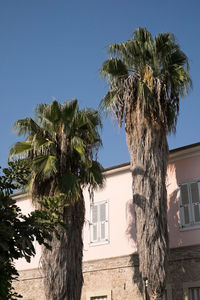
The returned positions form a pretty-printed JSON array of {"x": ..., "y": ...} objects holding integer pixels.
[
  {"x": 146, "y": 78},
  {"x": 62, "y": 144}
]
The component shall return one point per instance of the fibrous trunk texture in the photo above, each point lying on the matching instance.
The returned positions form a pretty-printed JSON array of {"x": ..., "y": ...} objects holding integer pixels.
[
  {"x": 62, "y": 266},
  {"x": 149, "y": 153}
]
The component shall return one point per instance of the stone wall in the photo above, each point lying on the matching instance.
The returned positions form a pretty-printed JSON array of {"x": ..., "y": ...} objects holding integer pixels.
[
  {"x": 114, "y": 277},
  {"x": 30, "y": 285},
  {"x": 119, "y": 278},
  {"x": 184, "y": 269}
]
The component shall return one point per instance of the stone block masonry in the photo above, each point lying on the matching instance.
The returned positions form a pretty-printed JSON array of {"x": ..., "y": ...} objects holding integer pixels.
[
  {"x": 118, "y": 278},
  {"x": 30, "y": 285}
]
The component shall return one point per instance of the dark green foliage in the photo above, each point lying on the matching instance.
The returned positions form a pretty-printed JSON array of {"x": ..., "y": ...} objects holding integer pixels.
[
  {"x": 62, "y": 141},
  {"x": 17, "y": 231},
  {"x": 62, "y": 144}
]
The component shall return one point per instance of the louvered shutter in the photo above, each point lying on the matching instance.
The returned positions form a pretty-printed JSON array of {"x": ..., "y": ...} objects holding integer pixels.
[
  {"x": 195, "y": 187},
  {"x": 164, "y": 296},
  {"x": 99, "y": 222},
  {"x": 94, "y": 224},
  {"x": 194, "y": 293},
  {"x": 184, "y": 205},
  {"x": 103, "y": 221}
]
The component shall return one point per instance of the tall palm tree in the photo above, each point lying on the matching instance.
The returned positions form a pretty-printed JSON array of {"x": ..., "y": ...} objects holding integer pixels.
[
  {"x": 62, "y": 143},
  {"x": 146, "y": 78}
]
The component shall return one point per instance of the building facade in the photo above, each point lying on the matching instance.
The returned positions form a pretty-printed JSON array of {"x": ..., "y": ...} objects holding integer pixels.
[{"x": 110, "y": 262}]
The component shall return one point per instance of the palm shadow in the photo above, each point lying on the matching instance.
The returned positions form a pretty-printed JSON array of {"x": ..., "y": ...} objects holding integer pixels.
[
  {"x": 173, "y": 223},
  {"x": 140, "y": 201}
]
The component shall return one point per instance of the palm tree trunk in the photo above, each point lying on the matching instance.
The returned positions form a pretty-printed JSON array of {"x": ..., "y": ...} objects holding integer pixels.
[
  {"x": 63, "y": 265},
  {"x": 149, "y": 153}
]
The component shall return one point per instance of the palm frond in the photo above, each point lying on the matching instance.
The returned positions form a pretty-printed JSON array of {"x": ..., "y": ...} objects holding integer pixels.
[
  {"x": 39, "y": 140},
  {"x": 20, "y": 148},
  {"x": 157, "y": 73},
  {"x": 122, "y": 52},
  {"x": 94, "y": 117},
  {"x": 113, "y": 67},
  {"x": 69, "y": 110},
  {"x": 78, "y": 145},
  {"x": 142, "y": 36},
  {"x": 69, "y": 184},
  {"x": 63, "y": 142},
  {"x": 108, "y": 100},
  {"x": 26, "y": 127},
  {"x": 52, "y": 112},
  {"x": 84, "y": 123},
  {"x": 45, "y": 165},
  {"x": 49, "y": 116},
  {"x": 93, "y": 176}
]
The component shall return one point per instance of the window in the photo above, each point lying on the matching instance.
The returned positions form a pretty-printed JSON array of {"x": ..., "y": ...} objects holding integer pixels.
[
  {"x": 99, "y": 222},
  {"x": 99, "y": 295},
  {"x": 99, "y": 298},
  {"x": 164, "y": 296},
  {"x": 190, "y": 204},
  {"x": 191, "y": 290},
  {"x": 194, "y": 293}
]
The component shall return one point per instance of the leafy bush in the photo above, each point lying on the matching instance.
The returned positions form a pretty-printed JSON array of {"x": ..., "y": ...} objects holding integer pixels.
[{"x": 17, "y": 231}]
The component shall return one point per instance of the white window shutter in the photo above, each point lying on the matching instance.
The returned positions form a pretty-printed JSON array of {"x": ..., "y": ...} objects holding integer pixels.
[
  {"x": 99, "y": 222},
  {"x": 194, "y": 192},
  {"x": 94, "y": 233},
  {"x": 106, "y": 221},
  {"x": 196, "y": 208},
  {"x": 103, "y": 207},
  {"x": 103, "y": 231},
  {"x": 103, "y": 212},
  {"x": 94, "y": 224},
  {"x": 195, "y": 188},
  {"x": 184, "y": 205},
  {"x": 94, "y": 213},
  {"x": 184, "y": 194}
]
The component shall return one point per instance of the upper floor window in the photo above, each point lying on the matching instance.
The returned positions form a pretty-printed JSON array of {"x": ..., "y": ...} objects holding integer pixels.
[
  {"x": 191, "y": 290},
  {"x": 194, "y": 293},
  {"x": 190, "y": 204},
  {"x": 99, "y": 222}
]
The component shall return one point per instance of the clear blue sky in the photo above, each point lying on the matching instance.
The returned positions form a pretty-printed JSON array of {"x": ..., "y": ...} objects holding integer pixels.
[{"x": 54, "y": 49}]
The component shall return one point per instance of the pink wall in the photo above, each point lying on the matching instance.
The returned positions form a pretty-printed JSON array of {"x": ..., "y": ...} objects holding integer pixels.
[
  {"x": 178, "y": 172},
  {"x": 26, "y": 206},
  {"x": 121, "y": 232},
  {"x": 117, "y": 192},
  {"x": 121, "y": 221}
]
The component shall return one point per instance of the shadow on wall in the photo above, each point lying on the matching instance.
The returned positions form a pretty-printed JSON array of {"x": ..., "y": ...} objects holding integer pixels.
[
  {"x": 175, "y": 238},
  {"x": 131, "y": 235},
  {"x": 173, "y": 224},
  {"x": 130, "y": 219}
]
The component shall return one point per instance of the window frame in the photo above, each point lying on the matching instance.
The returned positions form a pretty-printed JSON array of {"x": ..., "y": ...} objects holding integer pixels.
[
  {"x": 187, "y": 286},
  {"x": 192, "y": 224},
  {"x": 99, "y": 293},
  {"x": 99, "y": 241}
]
